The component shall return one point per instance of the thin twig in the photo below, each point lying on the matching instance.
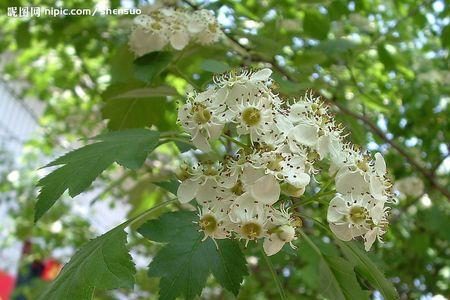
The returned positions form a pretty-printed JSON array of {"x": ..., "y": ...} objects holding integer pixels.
[{"x": 274, "y": 275}]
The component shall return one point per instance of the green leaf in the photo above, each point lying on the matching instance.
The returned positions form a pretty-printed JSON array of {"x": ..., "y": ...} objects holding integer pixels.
[
  {"x": 103, "y": 263},
  {"x": 122, "y": 69},
  {"x": 23, "y": 36},
  {"x": 338, "y": 279},
  {"x": 150, "y": 65},
  {"x": 336, "y": 47},
  {"x": 368, "y": 269},
  {"x": 185, "y": 262},
  {"x": 316, "y": 25},
  {"x": 445, "y": 37},
  {"x": 159, "y": 91},
  {"x": 386, "y": 57},
  {"x": 130, "y": 107},
  {"x": 170, "y": 186},
  {"x": 214, "y": 66},
  {"x": 80, "y": 167}
]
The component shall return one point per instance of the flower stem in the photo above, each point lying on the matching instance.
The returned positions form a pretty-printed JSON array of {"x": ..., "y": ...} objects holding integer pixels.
[
  {"x": 146, "y": 213},
  {"x": 274, "y": 275},
  {"x": 234, "y": 140}
]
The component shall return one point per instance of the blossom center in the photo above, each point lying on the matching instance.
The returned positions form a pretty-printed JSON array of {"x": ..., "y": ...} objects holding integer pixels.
[
  {"x": 202, "y": 114},
  {"x": 251, "y": 230},
  {"x": 358, "y": 214},
  {"x": 208, "y": 224},
  {"x": 251, "y": 116},
  {"x": 238, "y": 188}
]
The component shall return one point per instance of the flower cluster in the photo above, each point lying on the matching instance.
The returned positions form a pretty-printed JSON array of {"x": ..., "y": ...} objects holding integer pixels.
[
  {"x": 277, "y": 146},
  {"x": 158, "y": 26}
]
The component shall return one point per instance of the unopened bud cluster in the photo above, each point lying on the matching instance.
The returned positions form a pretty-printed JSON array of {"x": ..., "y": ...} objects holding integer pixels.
[
  {"x": 277, "y": 146},
  {"x": 158, "y": 27}
]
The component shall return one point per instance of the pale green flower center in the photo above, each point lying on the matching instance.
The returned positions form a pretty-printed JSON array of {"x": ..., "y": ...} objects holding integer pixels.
[
  {"x": 208, "y": 224},
  {"x": 251, "y": 116},
  {"x": 358, "y": 214},
  {"x": 202, "y": 114},
  {"x": 251, "y": 230}
]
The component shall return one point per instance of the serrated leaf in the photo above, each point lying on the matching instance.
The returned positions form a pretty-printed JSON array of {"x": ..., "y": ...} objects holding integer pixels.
[
  {"x": 214, "y": 66},
  {"x": 368, "y": 269},
  {"x": 103, "y": 263},
  {"x": 80, "y": 167},
  {"x": 186, "y": 261},
  {"x": 338, "y": 279},
  {"x": 228, "y": 265},
  {"x": 130, "y": 107},
  {"x": 148, "y": 66},
  {"x": 316, "y": 25}
]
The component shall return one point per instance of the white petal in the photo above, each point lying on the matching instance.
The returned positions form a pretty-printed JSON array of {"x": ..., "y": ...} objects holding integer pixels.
[
  {"x": 370, "y": 238},
  {"x": 377, "y": 212},
  {"x": 221, "y": 96},
  {"x": 179, "y": 40},
  {"x": 243, "y": 209},
  {"x": 206, "y": 192},
  {"x": 273, "y": 245},
  {"x": 205, "y": 95},
  {"x": 228, "y": 181},
  {"x": 376, "y": 188},
  {"x": 351, "y": 182},
  {"x": 266, "y": 190},
  {"x": 251, "y": 174},
  {"x": 300, "y": 181},
  {"x": 261, "y": 75},
  {"x": 306, "y": 134},
  {"x": 215, "y": 131},
  {"x": 187, "y": 190},
  {"x": 201, "y": 143},
  {"x": 342, "y": 231},
  {"x": 380, "y": 164},
  {"x": 323, "y": 146},
  {"x": 335, "y": 209}
]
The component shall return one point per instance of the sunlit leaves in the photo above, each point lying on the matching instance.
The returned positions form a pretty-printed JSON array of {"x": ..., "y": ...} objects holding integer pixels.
[
  {"x": 316, "y": 25},
  {"x": 78, "y": 168}
]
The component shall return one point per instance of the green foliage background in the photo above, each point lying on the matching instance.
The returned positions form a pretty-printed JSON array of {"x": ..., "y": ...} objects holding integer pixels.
[{"x": 383, "y": 65}]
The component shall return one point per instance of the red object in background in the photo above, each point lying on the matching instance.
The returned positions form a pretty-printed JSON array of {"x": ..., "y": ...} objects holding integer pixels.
[
  {"x": 6, "y": 285},
  {"x": 51, "y": 269}
]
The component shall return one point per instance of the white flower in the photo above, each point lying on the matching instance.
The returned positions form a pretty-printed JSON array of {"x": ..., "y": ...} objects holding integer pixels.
[
  {"x": 214, "y": 221},
  {"x": 158, "y": 26},
  {"x": 350, "y": 216},
  {"x": 287, "y": 166},
  {"x": 410, "y": 186},
  {"x": 202, "y": 119},
  {"x": 281, "y": 231},
  {"x": 249, "y": 217}
]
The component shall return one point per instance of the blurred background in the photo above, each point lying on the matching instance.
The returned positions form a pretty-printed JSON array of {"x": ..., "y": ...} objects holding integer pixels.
[{"x": 383, "y": 65}]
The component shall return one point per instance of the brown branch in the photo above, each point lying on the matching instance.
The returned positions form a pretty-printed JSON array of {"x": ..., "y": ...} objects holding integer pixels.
[{"x": 367, "y": 122}]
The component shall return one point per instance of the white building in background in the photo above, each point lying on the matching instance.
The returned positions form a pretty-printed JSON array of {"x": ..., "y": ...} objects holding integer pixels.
[{"x": 18, "y": 121}]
